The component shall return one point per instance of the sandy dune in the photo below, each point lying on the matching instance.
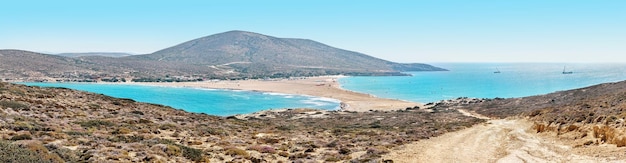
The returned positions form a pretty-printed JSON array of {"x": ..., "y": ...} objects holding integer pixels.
[{"x": 501, "y": 140}]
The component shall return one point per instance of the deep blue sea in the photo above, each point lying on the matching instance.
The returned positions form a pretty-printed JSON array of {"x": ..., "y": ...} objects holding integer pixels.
[
  {"x": 479, "y": 80},
  {"x": 209, "y": 101}
]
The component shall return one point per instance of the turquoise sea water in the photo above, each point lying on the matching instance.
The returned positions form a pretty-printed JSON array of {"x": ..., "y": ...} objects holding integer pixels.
[
  {"x": 210, "y": 101},
  {"x": 479, "y": 80},
  {"x": 463, "y": 80}
]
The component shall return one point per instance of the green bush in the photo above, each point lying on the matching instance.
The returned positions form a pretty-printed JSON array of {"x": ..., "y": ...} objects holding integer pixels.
[
  {"x": 167, "y": 126},
  {"x": 188, "y": 152},
  {"x": 25, "y": 126},
  {"x": 64, "y": 153},
  {"x": 262, "y": 148},
  {"x": 137, "y": 112},
  {"x": 13, "y": 104},
  {"x": 210, "y": 131},
  {"x": 22, "y": 137},
  {"x": 94, "y": 106},
  {"x": 77, "y": 133},
  {"x": 126, "y": 139},
  {"x": 192, "y": 153},
  {"x": 13, "y": 153},
  {"x": 94, "y": 123}
]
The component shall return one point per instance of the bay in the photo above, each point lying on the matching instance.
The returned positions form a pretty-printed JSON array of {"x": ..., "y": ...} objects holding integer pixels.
[{"x": 210, "y": 101}]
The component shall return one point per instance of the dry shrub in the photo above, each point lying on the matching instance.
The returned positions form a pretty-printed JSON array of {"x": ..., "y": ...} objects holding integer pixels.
[
  {"x": 378, "y": 150},
  {"x": 21, "y": 137},
  {"x": 173, "y": 150},
  {"x": 95, "y": 123},
  {"x": 14, "y": 105},
  {"x": 194, "y": 143},
  {"x": 535, "y": 113},
  {"x": 284, "y": 154},
  {"x": 344, "y": 151},
  {"x": 332, "y": 159},
  {"x": 572, "y": 127},
  {"x": 159, "y": 149},
  {"x": 268, "y": 140},
  {"x": 621, "y": 142},
  {"x": 13, "y": 153},
  {"x": 539, "y": 127},
  {"x": 121, "y": 131},
  {"x": 233, "y": 151},
  {"x": 605, "y": 133},
  {"x": 38, "y": 148},
  {"x": 168, "y": 126},
  {"x": 262, "y": 148}
]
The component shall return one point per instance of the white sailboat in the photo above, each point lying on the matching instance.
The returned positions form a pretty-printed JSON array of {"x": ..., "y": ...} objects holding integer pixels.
[{"x": 567, "y": 72}]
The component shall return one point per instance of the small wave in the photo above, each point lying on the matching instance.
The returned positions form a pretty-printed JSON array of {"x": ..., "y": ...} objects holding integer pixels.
[
  {"x": 205, "y": 89},
  {"x": 313, "y": 102},
  {"x": 285, "y": 95},
  {"x": 277, "y": 94},
  {"x": 236, "y": 96},
  {"x": 331, "y": 100},
  {"x": 321, "y": 101}
]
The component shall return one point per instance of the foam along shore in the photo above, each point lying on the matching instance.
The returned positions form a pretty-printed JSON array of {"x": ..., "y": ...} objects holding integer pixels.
[{"x": 324, "y": 86}]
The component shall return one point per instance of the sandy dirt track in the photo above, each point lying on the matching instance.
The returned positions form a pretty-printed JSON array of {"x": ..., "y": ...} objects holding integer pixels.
[{"x": 501, "y": 140}]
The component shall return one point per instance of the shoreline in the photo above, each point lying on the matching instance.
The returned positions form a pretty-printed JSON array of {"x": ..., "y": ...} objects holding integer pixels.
[{"x": 322, "y": 86}]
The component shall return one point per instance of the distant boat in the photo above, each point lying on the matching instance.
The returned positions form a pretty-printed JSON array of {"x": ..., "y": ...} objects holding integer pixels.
[
  {"x": 497, "y": 71},
  {"x": 567, "y": 72}
]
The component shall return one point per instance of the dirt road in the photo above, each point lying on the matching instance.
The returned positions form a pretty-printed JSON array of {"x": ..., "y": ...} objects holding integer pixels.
[{"x": 501, "y": 140}]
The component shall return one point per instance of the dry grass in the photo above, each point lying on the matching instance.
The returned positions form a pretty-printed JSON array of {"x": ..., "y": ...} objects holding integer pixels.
[
  {"x": 598, "y": 112},
  {"x": 123, "y": 130},
  {"x": 539, "y": 127},
  {"x": 234, "y": 151},
  {"x": 572, "y": 127}
]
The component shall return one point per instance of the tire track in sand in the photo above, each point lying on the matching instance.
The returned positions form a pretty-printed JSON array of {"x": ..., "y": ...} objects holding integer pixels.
[{"x": 498, "y": 140}]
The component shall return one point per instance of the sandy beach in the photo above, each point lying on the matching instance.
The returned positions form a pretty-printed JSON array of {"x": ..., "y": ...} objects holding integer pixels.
[{"x": 326, "y": 86}]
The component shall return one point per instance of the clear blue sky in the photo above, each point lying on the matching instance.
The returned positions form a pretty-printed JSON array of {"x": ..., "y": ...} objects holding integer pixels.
[{"x": 402, "y": 31}]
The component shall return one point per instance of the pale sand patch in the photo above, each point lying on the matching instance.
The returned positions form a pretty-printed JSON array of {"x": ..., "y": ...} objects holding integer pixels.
[
  {"x": 326, "y": 86},
  {"x": 472, "y": 114},
  {"x": 500, "y": 140}
]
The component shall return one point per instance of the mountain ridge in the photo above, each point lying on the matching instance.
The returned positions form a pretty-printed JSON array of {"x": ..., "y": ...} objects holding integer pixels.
[
  {"x": 243, "y": 46},
  {"x": 104, "y": 54},
  {"x": 233, "y": 55}
]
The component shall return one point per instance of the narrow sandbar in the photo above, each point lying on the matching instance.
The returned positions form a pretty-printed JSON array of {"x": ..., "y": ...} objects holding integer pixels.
[{"x": 325, "y": 86}]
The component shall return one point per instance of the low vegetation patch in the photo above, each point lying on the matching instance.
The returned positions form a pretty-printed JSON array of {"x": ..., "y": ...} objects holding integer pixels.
[
  {"x": 95, "y": 123},
  {"x": 14, "y": 153},
  {"x": 14, "y": 105},
  {"x": 104, "y": 129}
]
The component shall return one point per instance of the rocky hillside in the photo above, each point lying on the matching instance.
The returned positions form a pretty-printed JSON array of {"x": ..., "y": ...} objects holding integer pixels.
[
  {"x": 18, "y": 63},
  {"x": 586, "y": 116},
  {"x": 62, "y": 125},
  {"x": 502, "y": 108}
]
